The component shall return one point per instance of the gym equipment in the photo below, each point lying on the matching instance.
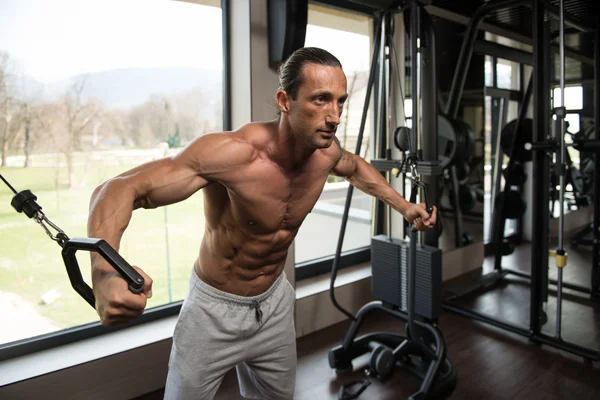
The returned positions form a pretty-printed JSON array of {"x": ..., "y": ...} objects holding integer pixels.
[
  {"x": 539, "y": 146},
  {"x": 467, "y": 198},
  {"x": 507, "y": 139},
  {"x": 522, "y": 152},
  {"x": 583, "y": 236},
  {"x": 447, "y": 143},
  {"x": 580, "y": 182},
  {"x": 462, "y": 171},
  {"x": 512, "y": 202},
  {"x": 455, "y": 144},
  {"x": 401, "y": 138},
  {"x": 559, "y": 253},
  {"x": 26, "y": 202},
  {"x": 516, "y": 174},
  {"x": 398, "y": 269},
  {"x": 422, "y": 350},
  {"x": 465, "y": 138},
  {"x": 507, "y": 247}
]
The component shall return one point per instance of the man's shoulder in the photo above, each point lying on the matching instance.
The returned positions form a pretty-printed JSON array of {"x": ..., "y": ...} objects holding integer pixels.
[
  {"x": 256, "y": 134},
  {"x": 227, "y": 148}
]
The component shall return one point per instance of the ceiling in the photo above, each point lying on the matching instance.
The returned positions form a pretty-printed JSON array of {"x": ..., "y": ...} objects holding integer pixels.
[
  {"x": 519, "y": 19},
  {"x": 516, "y": 23}
]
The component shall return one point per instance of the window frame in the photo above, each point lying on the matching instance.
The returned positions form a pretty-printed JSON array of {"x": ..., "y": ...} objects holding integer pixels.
[{"x": 324, "y": 265}]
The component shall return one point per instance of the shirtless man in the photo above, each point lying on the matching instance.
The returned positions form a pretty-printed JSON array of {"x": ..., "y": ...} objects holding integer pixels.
[{"x": 259, "y": 183}]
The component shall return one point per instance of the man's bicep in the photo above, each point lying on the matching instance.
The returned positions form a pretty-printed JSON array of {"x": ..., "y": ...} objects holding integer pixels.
[
  {"x": 160, "y": 182},
  {"x": 173, "y": 179}
]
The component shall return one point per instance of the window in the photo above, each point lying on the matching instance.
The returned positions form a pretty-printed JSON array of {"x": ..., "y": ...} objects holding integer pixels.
[
  {"x": 88, "y": 89},
  {"x": 408, "y": 108},
  {"x": 507, "y": 73},
  {"x": 489, "y": 71},
  {"x": 500, "y": 109},
  {"x": 573, "y": 97},
  {"x": 346, "y": 35},
  {"x": 573, "y": 121}
]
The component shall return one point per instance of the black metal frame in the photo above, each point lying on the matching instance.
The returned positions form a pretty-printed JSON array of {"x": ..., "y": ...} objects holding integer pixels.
[
  {"x": 226, "y": 40},
  {"x": 508, "y": 32},
  {"x": 363, "y": 7},
  {"x": 539, "y": 279},
  {"x": 595, "y": 278},
  {"x": 500, "y": 51}
]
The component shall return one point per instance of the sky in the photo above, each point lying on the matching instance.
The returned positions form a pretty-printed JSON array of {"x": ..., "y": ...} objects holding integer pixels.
[
  {"x": 55, "y": 40},
  {"x": 352, "y": 49}
]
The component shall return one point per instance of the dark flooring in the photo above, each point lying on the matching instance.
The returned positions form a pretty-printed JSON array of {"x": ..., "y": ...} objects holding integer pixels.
[{"x": 491, "y": 363}]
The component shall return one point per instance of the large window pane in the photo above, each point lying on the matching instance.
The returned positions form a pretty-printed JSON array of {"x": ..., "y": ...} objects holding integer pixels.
[
  {"x": 489, "y": 71},
  {"x": 348, "y": 37},
  {"x": 573, "y": 97},
  {"x": 89, "y": 89},
  {"x": 507, "y": 73}
]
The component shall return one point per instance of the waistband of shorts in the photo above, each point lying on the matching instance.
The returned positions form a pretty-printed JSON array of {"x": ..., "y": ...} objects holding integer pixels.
[{"x": 226, "y": 297}]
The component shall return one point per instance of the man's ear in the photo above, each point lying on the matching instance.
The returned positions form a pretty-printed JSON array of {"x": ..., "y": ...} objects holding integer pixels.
[{"x": 283, "y": 101}]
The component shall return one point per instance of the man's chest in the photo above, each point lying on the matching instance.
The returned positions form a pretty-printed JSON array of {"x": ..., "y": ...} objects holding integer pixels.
[{"x": 269, "y": 199}]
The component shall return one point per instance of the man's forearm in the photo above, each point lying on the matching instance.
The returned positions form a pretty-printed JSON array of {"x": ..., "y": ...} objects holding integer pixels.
[
  {"x": 111, "y": 208},
  {"x": 367, "y": 179}
]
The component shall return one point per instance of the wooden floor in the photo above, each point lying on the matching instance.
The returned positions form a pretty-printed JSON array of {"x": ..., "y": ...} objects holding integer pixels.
[{"x": 490, "y": 363}]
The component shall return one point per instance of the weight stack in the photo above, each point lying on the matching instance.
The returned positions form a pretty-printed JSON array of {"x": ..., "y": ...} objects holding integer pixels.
[{"x": 389, "y": 261}]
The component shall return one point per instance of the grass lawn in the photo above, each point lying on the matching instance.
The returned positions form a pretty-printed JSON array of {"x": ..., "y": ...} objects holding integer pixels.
[{"x": 31, "y": 264}]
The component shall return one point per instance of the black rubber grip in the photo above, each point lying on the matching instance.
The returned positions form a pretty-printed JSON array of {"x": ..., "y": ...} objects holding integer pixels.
[{"x": 134, "y": 280}]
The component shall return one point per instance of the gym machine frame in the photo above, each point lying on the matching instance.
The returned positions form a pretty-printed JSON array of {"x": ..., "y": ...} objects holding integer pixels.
[
  {"x": 541, "y": 175},
  {"x": 423, "y": 338}
]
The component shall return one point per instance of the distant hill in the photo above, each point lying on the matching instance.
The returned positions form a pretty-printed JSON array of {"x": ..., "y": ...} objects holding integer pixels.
[{"x": 124, "y": 88}]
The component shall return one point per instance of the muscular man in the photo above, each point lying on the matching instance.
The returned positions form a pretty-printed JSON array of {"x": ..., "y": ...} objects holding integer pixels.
[{"x": 259, "y": 183}]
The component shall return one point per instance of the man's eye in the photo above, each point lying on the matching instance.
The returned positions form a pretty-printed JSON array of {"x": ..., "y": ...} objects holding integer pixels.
[{"x": 319, "y": 99}]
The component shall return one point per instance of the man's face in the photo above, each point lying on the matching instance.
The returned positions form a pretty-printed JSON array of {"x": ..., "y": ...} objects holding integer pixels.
[{"x": 315, "y": 113}]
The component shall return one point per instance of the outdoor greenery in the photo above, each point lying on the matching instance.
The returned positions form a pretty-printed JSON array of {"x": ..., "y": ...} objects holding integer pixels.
[{"x": 31, "y": 264}]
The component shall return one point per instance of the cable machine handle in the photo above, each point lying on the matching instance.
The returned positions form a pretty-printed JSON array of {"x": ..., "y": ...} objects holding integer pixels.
[
  {"x": 135, "y": 281},
  {"x": 25, "y": 202},
  {"x": 413, "y": 194}
]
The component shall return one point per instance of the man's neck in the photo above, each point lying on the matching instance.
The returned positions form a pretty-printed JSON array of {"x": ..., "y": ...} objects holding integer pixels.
[{"x": 287, "y": 150}]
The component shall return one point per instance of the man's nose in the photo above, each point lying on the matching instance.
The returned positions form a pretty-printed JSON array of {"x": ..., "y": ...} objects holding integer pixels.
[{"x": 333, "y": 116}]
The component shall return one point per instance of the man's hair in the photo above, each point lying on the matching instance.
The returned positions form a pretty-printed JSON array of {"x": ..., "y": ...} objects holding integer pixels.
[{"x": 291, "y": 71}]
